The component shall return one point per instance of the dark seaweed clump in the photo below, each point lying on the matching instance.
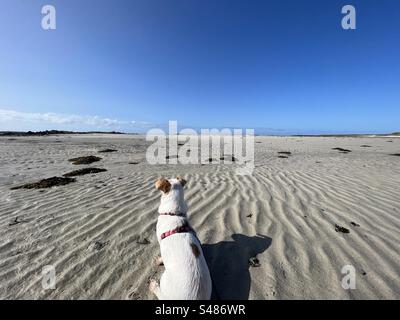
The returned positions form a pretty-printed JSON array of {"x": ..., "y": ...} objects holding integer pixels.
[
  {"x": 341, "y": 229},
  {"x": 84, "y": 171},
  {"x": 84, "y": 160},
  {"x": 254, "y": 262},
  {"x": 46, "y": 183},
  {"x": 107, "y": 150},
  {"x": 288, "y": 153},
  {"x": 342, "y": 150}
]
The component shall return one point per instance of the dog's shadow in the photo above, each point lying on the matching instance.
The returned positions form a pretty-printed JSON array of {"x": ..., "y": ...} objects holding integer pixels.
[{"x": 229, "y": 265}]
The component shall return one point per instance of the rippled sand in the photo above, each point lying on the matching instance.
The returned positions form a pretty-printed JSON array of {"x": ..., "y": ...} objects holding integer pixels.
[{"x": 99, "y": 232}]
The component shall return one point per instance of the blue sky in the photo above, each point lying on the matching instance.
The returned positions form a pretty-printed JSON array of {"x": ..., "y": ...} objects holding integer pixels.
[{"x": 283, "y": 65}]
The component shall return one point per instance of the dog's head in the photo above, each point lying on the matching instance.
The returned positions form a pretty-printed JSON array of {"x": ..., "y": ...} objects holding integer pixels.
[
  {"x": 172, "y": 198},
  {"x": 166, "y": 185}
]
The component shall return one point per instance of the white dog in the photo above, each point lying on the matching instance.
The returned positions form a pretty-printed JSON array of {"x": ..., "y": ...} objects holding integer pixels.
[{"x": 186, "y": 275}]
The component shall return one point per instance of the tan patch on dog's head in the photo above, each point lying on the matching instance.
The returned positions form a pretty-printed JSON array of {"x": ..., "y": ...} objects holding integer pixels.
[
  {"x": 182, "y": 181},
  {"x": 195, "y": 250},
  {"x": 163, "y": 185}
]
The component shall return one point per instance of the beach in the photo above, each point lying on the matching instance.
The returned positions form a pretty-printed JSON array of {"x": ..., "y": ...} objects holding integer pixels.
[{"x": 284, "y": 232}]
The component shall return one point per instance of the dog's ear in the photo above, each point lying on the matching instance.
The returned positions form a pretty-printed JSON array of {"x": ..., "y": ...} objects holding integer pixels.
[
  {"x": 163, "y": 185},
  {"x": 182, "y": 181}
]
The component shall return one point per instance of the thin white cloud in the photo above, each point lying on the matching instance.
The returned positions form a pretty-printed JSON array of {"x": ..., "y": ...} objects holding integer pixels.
[{"x": 78, "y": 122}]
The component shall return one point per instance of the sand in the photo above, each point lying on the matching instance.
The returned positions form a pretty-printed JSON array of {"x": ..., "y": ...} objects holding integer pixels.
[{"x": 99, "y": 232}]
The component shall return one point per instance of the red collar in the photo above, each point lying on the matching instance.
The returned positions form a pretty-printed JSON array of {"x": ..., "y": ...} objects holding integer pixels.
[
  {"x": 179, "y": 214},
  {"x": 182, "y": 229}
]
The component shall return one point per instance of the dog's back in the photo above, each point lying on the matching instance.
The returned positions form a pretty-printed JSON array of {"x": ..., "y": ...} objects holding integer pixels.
[{"x": 186, "y": 275}]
